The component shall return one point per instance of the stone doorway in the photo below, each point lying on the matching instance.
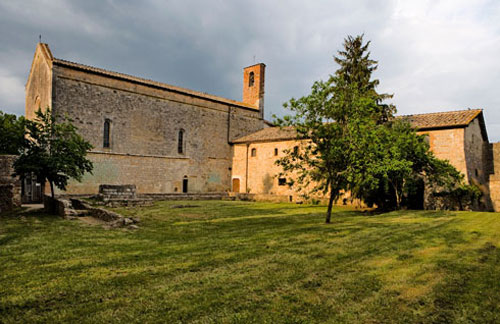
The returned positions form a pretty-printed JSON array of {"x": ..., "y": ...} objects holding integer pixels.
[
  {"x": 185, "y": 184},
  {"x": 31, "y": 190},
  {"x": 236, "y": 185}
]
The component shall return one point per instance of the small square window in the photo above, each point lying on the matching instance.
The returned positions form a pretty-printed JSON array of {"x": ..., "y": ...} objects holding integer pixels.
[{"x": 282, "y": 181}]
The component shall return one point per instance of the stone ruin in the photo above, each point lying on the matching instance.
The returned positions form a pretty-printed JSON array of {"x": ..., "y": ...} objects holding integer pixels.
[
  {"x": 74, "y": 208},
  {"x": 121, "y": 195},
  {"x": 10, "y": 187}
]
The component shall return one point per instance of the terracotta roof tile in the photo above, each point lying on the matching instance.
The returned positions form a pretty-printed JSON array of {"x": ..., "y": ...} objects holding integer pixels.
[
  {"x": 269, "y": 134},
  {"x": 449, "y": 119}
]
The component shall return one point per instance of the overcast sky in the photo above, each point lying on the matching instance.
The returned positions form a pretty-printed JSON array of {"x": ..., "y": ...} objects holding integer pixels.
[{"x": 433, "y": 55}]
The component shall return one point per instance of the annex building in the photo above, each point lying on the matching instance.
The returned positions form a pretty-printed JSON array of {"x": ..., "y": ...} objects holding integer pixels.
[{"x": 166, "y": 139}]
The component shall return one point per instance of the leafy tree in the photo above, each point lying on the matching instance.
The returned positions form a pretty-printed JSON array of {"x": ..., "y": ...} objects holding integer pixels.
[
  {"x": 11, "y": 133},
  {"x": 54, "y": 152},
  {"x": 351, "y": 141},
  {"x": 393, "y": 162}
]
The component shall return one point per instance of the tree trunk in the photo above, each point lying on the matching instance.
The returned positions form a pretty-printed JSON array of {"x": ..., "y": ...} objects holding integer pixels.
[
  {"x": 51, "y": 189},
  {"x": 330, "y": 205},
  {"x": 398, "y": 196}
]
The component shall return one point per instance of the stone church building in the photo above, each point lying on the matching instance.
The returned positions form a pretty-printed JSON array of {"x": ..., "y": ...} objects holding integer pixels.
[{"x": 167, "y": 139}]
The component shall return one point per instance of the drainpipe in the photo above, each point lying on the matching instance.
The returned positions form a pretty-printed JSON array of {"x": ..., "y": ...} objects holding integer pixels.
[
  {"x": 246, "y": 171},
  {"x": 228, "y": 123}
]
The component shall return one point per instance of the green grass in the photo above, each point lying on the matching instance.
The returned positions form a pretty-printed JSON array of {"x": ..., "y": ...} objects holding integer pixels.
[{"x": 238, "y": 262}]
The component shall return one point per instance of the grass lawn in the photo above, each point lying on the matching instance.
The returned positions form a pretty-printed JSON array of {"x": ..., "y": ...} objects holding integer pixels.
[{"x": 234, "y": 262}]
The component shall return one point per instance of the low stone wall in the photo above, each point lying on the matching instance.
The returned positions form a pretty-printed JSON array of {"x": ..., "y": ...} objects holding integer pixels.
[
  {"x": 9, "y": 197},
  {"x": 120, "y": 192},
  {"x": 57, "y": 206},
  {"x": 261, "y": 197},
  {"x": 185, "y": 196},
  {"x": 73, "y": 208},
  {"x": 10, "y": 187}
]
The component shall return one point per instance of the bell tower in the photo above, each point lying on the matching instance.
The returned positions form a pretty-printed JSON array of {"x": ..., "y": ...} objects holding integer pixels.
[{"x": 253, "y": 86}]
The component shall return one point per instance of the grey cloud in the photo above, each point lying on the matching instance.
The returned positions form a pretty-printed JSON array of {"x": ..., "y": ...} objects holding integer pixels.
[{"x": 204, "y": 45}]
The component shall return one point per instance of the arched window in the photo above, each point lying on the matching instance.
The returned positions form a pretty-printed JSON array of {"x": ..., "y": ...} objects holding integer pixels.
[
  {"x": 251, "y": 79},
  {"x": 107, "y": 129},
  {"x": 180, "y": 142},
  {"x": 254, "y": 152},
  {"x": 275, "y": 151}
]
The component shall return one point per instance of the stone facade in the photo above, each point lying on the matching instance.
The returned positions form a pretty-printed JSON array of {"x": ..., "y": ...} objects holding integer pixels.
[
  {"x": 10, "y": 187},
  {"x": 167, "y": 140},
  {"x": 145, "y": 121},
  {"x": 494, "y": 183},
  {"x": 464, "y": 143},
  {"x": 39, "y": 84},
  {"x": 253, "y": 86},
  {"x": 468, "y": 150},
  {"x": 255, "y": 171}
]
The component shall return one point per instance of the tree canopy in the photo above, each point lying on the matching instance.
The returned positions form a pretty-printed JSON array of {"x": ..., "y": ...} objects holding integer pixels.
[
  {"x": 54, "y": 151},
  {"x": 351, "y": 141},
  {"x": 11, "y": 133}
]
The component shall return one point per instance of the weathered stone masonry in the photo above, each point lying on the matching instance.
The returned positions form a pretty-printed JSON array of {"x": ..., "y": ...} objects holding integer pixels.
[
  {"x": 10, "y": 187},
  {"x": 457, "y": 136},
  {"x": 145, "y": 119}
]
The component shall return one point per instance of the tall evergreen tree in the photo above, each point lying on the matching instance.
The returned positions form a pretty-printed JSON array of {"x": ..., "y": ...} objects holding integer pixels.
[{"x": 350, "y": 140}]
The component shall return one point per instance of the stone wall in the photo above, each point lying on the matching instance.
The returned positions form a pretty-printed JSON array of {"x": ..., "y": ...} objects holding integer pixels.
[
  {"x": 253, "y": 90},
  {"x": 477, "y": 161},
  {"x": 153, "y": 174},
  {"x": 469, "y": 152},
  {"x": 39, "y": 85},
  {"x": 495, "y": 176},
  {"x": 448, "y": 144},
  {"x": 10, "y": 187},
  {"x": 145, "y": 123},
  {"x": 259, "y": 176},
  {"x": 262, "y": 175},
  {"x": 465, "y": 148},
  {"x": 117, "y": 191}
]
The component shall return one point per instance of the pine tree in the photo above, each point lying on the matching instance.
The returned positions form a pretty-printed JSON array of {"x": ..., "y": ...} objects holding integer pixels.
[{"x": 351, "y": 142}]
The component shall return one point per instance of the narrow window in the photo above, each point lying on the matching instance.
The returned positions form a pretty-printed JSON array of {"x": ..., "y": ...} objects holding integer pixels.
[
  {"x": 295, "y": 149},
  {"x": 107, "y": 126},
  {"x": 185, "y": 184},
  {"x": 251, "y": 79},
  {"x": 254, "y": 152},
  {"x": 180, "y": 143},
  {"x": 281, "y": 181},
  {"x": 275, "y": 152},
  {"x": 476, "y": 172}
]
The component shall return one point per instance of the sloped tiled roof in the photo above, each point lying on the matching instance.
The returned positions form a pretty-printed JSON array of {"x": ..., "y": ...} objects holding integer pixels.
[
  {"x": 269, "y": 134},
  {"x": 448, "y": 119},
  {"x": 147, "y": 82},
  {"x": 438, "y": 120}
]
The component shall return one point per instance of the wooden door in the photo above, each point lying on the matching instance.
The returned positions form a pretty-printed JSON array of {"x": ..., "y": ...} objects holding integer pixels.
[{"x": 236, "y": 185}]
